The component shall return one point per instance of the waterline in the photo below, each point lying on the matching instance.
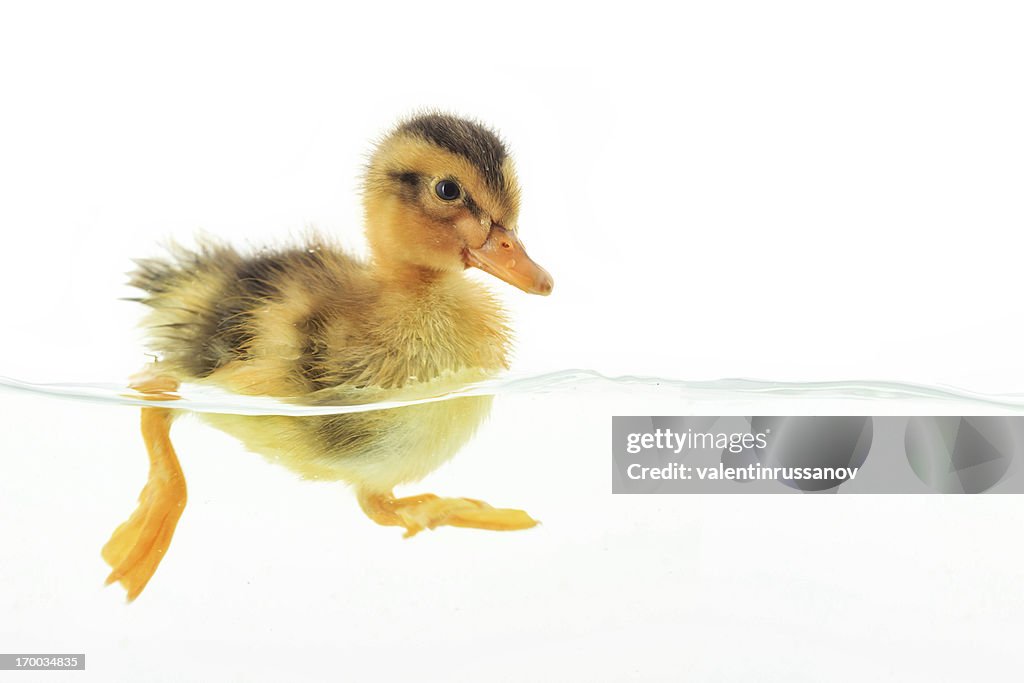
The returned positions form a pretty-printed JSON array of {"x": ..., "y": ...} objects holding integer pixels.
[{"x": 205, "y": 399}]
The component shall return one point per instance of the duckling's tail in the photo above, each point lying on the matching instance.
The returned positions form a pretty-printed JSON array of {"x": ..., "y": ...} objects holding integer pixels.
[
  {"x": 161, "y": 276},
  {"x": 194, "y": 306}
]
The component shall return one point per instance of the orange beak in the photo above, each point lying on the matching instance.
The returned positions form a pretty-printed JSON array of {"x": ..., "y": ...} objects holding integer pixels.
[{"x": 504, "y": 257}]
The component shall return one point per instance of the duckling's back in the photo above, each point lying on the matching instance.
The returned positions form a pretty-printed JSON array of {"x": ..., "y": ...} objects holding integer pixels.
[{"x": 216, "y": 311}]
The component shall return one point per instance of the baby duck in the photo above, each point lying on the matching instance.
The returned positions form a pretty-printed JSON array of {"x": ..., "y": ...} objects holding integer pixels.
[{"x": 314, "y": 324}]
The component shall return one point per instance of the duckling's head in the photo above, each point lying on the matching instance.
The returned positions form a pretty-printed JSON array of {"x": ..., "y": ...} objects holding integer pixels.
[{"x": 441, "y": 195}]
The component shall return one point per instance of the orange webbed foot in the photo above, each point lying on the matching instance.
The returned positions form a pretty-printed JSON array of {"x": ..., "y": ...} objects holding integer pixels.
[
  {"x": 427, "y": 511},
  {"x": 137, "y": 546}
]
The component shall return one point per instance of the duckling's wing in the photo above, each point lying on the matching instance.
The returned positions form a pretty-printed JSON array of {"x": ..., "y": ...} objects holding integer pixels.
[{"x": 253, "y": 324}]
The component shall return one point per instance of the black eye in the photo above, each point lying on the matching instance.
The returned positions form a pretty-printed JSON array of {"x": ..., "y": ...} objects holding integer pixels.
[{"x": 448, "y": 190}]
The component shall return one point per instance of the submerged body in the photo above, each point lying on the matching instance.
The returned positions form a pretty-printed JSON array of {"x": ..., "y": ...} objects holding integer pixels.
[
  {"x": 377, "y": 449},
  {"x": 313, "y": 324}
]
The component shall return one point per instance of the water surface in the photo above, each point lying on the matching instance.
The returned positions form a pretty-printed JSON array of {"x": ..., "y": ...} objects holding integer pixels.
[{"x": 716, "y": 393}]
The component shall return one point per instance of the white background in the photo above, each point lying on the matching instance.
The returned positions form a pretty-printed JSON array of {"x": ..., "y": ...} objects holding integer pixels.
[{"x": 784, "y": 191}]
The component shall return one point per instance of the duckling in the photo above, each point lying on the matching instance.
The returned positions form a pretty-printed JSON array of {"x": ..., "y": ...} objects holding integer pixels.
[{"x": 314, "y": 324}]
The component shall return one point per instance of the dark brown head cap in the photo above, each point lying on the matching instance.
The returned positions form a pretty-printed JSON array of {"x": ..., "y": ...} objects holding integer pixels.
[{"x": 468, "y": 139}]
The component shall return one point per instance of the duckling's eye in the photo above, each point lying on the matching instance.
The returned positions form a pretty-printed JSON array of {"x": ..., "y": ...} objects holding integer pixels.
[{"x": 448, "y": 190}]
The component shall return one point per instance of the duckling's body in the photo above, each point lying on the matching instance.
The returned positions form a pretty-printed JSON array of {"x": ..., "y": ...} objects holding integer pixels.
[{"x": 314, "y": 324}]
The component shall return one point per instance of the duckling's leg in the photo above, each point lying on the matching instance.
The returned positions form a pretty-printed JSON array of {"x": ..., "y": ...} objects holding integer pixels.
[
  {"x": 137, "y": 546},
  {"x": 153, "y": 384},
  {"x": 427, "y": 511}
]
